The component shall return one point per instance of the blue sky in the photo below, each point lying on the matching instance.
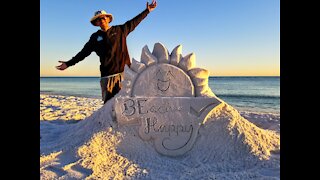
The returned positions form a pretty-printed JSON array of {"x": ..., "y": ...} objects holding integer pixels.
[{"x": 228, "y": 37}]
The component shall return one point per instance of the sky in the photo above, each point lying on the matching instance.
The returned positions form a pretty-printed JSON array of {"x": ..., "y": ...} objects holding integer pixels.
[{"x": 228, "y": 37}]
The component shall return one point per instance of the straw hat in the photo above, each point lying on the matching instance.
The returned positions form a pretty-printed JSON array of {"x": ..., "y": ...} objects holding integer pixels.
[{"x": 98, "y": 14}]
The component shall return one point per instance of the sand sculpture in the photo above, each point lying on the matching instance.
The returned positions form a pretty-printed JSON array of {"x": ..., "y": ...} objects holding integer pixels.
[{"x": 164, "y": 95}]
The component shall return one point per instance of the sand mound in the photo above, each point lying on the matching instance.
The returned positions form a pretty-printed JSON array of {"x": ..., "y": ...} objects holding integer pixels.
[{"x": 228, "y": 146}]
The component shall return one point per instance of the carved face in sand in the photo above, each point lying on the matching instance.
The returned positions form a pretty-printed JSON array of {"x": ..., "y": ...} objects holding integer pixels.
[{"x": 163, "y": 80}]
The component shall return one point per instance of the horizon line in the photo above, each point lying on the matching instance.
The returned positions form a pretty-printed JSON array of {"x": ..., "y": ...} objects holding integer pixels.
[{"x": 209, "y": 76}]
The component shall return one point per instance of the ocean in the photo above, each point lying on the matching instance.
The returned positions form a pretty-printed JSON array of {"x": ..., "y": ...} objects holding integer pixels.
[{"x": 259, "y": 94}]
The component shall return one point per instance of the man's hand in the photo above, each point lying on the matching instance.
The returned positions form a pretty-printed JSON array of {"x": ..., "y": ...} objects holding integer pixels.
[
  {"x": 152, "y": 6},
  {"x": 62, "y": 66}
]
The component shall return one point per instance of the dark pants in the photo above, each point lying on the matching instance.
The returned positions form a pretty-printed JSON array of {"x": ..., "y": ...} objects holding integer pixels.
[{"x": 110, "y": 86}]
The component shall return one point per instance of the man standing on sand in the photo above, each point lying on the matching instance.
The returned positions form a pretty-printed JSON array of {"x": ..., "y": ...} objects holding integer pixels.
[{"x": 109, "y": 43}]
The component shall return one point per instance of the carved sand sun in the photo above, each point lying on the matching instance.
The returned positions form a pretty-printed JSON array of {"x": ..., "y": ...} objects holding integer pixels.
[{"x": 161, "y": 73}]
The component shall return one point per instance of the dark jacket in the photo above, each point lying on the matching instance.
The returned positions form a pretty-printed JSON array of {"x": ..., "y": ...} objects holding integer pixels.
[{"x": 110, "y": 46}]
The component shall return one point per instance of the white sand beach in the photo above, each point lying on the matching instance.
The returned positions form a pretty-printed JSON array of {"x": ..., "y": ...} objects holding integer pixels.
[{"x": 80, "y": 140}]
